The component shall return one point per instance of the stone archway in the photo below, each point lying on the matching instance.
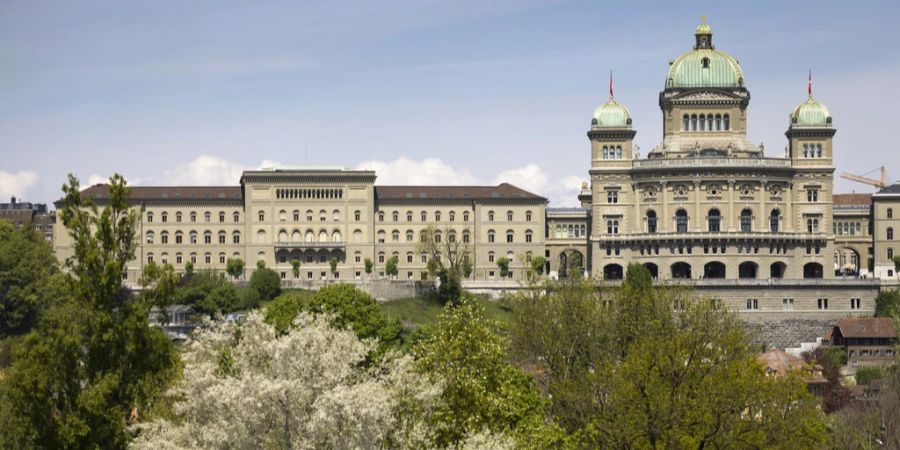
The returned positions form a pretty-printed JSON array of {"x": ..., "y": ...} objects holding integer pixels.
[{"x": 570, "y": 261}]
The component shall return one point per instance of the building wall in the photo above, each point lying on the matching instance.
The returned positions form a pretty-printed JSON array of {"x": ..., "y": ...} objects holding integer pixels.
[{"x": 882, "y": 205}]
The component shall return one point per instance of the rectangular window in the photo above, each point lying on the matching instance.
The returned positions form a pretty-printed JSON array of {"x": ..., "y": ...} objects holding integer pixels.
[
  {"x": 752, "y": 304},
  {"x": 823, "y": 303},
  {"x": 812, "y": 195},
  {"x": 788, "y": 304},
  {"x": 612, "y": 197}
]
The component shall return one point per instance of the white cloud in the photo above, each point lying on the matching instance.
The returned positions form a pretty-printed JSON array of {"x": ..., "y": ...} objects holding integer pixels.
[
  {"x": 17, "y": 183},
  {"x": 429, "y": 171},
  {"x": 531, "y": 178},
  {"x": 97, "y": 179},
  {"x": 206, "y": 170}
]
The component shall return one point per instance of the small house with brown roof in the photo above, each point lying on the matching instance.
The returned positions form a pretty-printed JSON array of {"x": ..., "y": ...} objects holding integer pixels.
[
  {"x": 867, "y": 341},
  {"x": 779, "y": 363}
]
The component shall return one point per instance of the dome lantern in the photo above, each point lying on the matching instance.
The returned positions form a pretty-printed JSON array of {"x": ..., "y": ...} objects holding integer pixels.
[
  {"x": 810, "y": 113},
  {"x": 704, "y": 66}
]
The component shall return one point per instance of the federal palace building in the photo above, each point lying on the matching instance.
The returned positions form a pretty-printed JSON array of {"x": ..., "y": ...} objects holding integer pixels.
[{"x": 759, "y": 232}]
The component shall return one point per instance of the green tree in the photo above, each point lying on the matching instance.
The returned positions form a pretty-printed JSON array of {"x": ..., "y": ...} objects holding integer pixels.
[
  {"x": 467, "y": 268},
  {"x": 189, "y": 269},
  {"x": 368, "y": 263},
  {"x": 887, "y": 303},
  {"x": 93, "y": 364},
  {"x": 897, "y": 264},
  {"x": 390, "y": 267},
  {"x": 260, "y": 264},
  {"x": 333, "y": 263},
  {"x": 235, "y": 267},
  {"x": 537, "y": 265},
  {"x": 29, "y": 278},
  {"x": 355, "y": 309},
  {"x": 208, "y": 293},
  {"x": 641, "y": 366},
  {"x": 503, "y": 264},
  {"x": 267, "y": 282},
  {"x": 295, "y": 268},
  {"x": 482, "y": 391},
  {"x": 282, "y": 311}
]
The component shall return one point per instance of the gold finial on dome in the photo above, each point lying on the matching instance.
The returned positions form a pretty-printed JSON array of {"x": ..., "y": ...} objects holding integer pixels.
[{"x": 703, "y": 35}]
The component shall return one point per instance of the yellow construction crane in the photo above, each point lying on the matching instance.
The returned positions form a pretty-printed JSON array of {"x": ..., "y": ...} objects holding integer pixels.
[{"x": 880, "y": 183}]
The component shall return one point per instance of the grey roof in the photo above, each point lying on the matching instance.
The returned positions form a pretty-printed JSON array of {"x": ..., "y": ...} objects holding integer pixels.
[
  {"x": 503, "y": 191},
  {"x": 891, "y": 190},
  {"x": 144, "y": 193}
]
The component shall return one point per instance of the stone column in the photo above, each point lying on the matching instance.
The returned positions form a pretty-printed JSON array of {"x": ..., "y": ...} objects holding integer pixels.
[
  {"x": 730, "y": 220},
  {"x": 697, "y": 223}
]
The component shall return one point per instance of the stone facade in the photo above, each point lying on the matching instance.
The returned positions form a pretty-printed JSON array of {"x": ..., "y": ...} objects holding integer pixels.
[{"x": 886, "y": 226}]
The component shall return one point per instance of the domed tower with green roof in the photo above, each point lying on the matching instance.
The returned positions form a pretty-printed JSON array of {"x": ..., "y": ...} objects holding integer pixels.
[
  {"x": 810, "y": 133},
  {"x": 611, "y": 135},
  {"x": 704, "y": 104}
]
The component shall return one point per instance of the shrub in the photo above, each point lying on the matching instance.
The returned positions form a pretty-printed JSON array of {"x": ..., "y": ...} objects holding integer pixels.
[{"x": 266, "y": 282}]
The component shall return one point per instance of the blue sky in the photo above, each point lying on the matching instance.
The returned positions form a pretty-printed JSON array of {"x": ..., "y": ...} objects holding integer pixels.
[{"x": 423, "y": 91}]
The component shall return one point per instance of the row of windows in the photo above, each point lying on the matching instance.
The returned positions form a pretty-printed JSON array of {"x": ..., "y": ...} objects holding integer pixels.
[
  {"x": 844, "y": 228},
  {"x": 179, "y": 258},
  {"x": 612, "y": 152},
  {"x": 395, "y": 216},
  {"x": 310, "y": 236},
  {"x": 717, "y": 270},
  {"x": 323, "y": 215},
  {"x": 313, "y": 194},
  {"x": 706, "y": 122},
  {"x": 714, "y": 221},
  {"x": 207, "y": 216},
  {"x": 716, "y": 247},
  {"x": 787, "y": 304},
  {"x": 193, "y": 237},
  {"x": 812, "y": 150},
  {"x": 564, "y": 231},
  {"x": 451, "y": 236}
]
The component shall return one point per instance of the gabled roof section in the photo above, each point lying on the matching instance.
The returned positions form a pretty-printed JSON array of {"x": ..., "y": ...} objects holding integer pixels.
[
  {"x": 852, "y": 199},
  {"x": 100, "y": 192},
  {"x": 892, "y": 190},
  {"x": 503, "y": 191},
  {"x": 868, "y": 327}
]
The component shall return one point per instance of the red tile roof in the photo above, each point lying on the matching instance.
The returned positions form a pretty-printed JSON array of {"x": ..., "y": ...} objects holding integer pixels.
[
  {"x": 503, "y": 191},
  {"x": 139, "y": 193},
  {"x": 852, "y": 199}
]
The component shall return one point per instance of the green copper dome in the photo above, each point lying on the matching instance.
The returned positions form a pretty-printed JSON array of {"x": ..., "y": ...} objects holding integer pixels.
[
  {"x": 704, "y": 66},
  {"x": 811, "y": 114},
  {"x": 611, "y": 115}
]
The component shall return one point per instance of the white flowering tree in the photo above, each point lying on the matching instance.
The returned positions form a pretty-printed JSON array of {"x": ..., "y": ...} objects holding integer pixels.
[{"x": 246, "y": 387}]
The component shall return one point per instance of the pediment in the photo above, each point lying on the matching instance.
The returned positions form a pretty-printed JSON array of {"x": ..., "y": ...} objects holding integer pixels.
[{"x": 705, "y": 96}]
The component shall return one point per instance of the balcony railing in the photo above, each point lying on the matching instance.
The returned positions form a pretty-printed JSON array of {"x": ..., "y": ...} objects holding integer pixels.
[
  {"x": 710, "y": 162},
  {"x": 711, "y": 235},
  {"x": 331, "y": 244}
]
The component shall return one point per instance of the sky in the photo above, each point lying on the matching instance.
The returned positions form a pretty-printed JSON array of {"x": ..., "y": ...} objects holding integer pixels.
[{"x": 423, "y": 91}]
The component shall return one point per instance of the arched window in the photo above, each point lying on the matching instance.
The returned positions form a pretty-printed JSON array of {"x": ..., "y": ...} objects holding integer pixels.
[
  {"x": 236, "y": 237},
  {"x": 282, "y": 215},
  {"x": 618, "y": 152},
  {"x": 437, "y": 237},
  {"x": 335, "y": 236},
  {"x": 681, "y": 221},
  {"x": 296, "y": 236},
  {"x": 409, "y": 216},
  {"x": 890, "y": 213},
  {"x": 702, "y": 122},
  {"x": 207, "y": 216},
  {"x": 693, "y": 122},
  {"x": 164, "y": 216},
  {"x": 890, "y": 233},
  {"x": 410, "y": 236},
  {"x": 451, "y": 236},
  {"x": 194, "y": 216},
  {"x": 323, "y": 216},
  {"x": 509, "y": 216},
  {"x": 309, "y": 215},
  {"x": 179, "y": 236},
  {"x": 282, "y": 236},
  {"x": 193, "y": 237},
  {"x": 718, "y": 122},
  {"x": 605, "y": 152},
  {"x": 709, "y": 122},
  {"x": 222, "y": 236},
  {"x": 437, "y": 216},
  {"x": 164, "y": 237},
  {"x": 380, "y": 236},
  {"x": 466, "y": 216},
  {"x": 237, "y": 217},
  {"x": 726, "y": 122},
  {"x": 395, "y": 236},
  {"x": 323, "y": 236},
  {"x": 336, "y": 215},
  {"x": 395, "y": 216},
  {"x": 528, "y": 236},
  {"x": 296, "y": 215},
  {"x": 510, "y": 236},
  {"x": 207, "y": 237},
  {"x": 221, "y": 216},
  {"x": 805, "y": 151},
  {"x": 746, "y": 220},
  {"x": 715, "y": 220},
  {"x": 491, "y": 256},
  {"x": 381, "y": 216},
  {"x": 651, "y": 221},
  {"x": 528, "y": 216},
  {"x": 357, "y": 236},
  {"x": 465, "y": 236},
  {"x": 687, "y": 122},
  {"x": 178, "y": 216},
  {"x": 773, "y": 220},
  {"x": 149, "y": 217},
  {"x": 490, "y": 216},
  {"x": 262, "y": 216},
  {"x": 310, "y": 236},
  {"x": 818, "y": 150},
  {"x": 149, "y": 237},
  {"x": 490, "y": 235},
  {"x": 357, "y": 215},
  {"x": 149, "y": 257}
]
